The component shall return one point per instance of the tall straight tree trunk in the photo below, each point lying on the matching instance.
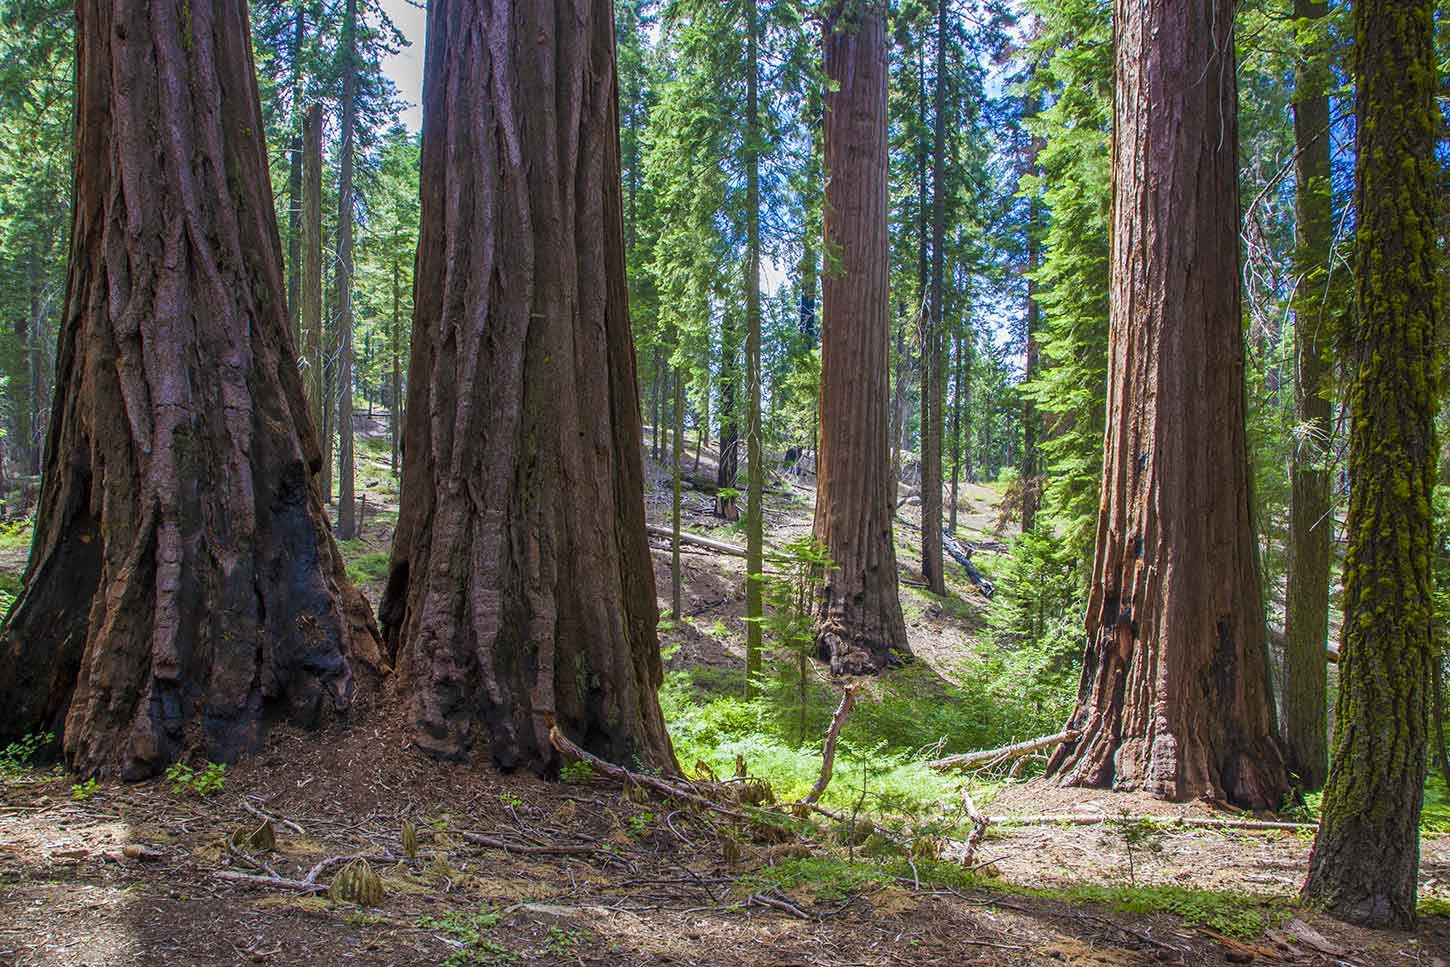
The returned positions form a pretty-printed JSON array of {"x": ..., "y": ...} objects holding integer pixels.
[
  {"x": 183, "y": 588},
  {"x": 933, "y": 342},
  {"x": 1365, "y": 859},
  {"x": 754, "y": 459},
  {"x": 520, "y": 591},
  {"x": 1175, "y": 696},
  {"x": 728, "y": 468},
  {"x": 959, "y": 379},
  {"x": 310, "y": 296},
  {"x": 860, "y": 628},
  {"x": 346, "y": 506},
  {"x": 294, "y": 175},
  {"x": 1031, "y": 469},
  {"x": 1311, "y": 524},
  {"x": 395, "y": 396},
  {"x": 676, "y": 493}
]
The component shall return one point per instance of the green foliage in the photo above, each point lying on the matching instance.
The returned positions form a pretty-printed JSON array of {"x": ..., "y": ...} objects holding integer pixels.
[
  {"x": 1235, "y": 914},
  {"x": 207, "y": 782},
  {"x": 81, "y": 791},
  {"x": 576, "y": 772},
  {"x": 25, "y": 753},
  {"x": 826, "y": 878},
  {"x": 470, "y": 928},
  {"x": 370, "y": 568},
  {"x": 1075, "y": 70},
  {"x": 1036, "y": 623}
]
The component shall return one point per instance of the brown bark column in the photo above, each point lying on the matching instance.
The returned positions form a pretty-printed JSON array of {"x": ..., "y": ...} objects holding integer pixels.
[
  {"x": 520, "y": 590},
  {"x": 861, "y": 628},
  {"x": 183, "y": 587},
  {"x": 1175, "y": 696}
]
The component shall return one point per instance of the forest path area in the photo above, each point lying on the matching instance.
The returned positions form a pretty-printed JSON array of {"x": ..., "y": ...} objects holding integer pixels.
[{"x": 512, "y": 870}]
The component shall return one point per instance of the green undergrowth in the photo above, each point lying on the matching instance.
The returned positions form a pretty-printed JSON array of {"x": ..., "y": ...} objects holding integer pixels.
[
  {"x": 899, "y": 722},
  {"x": 367, "y": 567},
  {"x": 1434, "y": 814}
]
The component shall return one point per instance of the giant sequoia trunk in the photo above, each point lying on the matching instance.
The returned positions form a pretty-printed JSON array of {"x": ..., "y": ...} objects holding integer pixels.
[
  {"x": 520, "y": 590},
  {"x": 754, "y": 457},
  {"x": 184, "y": 587},
  {"x": 1175, "y": 696},
  {"x": 1311, "y": 523},
  {"x": 860, "y": 629},
  {"x": 1366, "y": 855}
]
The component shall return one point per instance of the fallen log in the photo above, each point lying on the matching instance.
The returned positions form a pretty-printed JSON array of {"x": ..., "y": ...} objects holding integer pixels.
[
  {"x": 709, "y": 544},
  {"x": 966, "y": 760},
  {"x": 963, "y": 556},
  {"x": 1077, "y": 819}
]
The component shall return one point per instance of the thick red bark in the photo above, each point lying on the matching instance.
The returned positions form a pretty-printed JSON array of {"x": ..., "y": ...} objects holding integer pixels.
[
  {"x": 1175, "y": 695},
  {"x": 861, "y": 628},
  {"x": 183, "y": 588},
  {"x": 520, "y": 590}
]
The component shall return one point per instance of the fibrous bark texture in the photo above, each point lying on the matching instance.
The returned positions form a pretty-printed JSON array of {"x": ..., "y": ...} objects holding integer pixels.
[
  {"x": 861, "y": 629},
  {"x": 1175, "y": 696},
  {"x": 520, "y": 590},
  {"x": 1311, "y": 522},
  {"x": 1366, "y": 854},
  {"x": 183, "y": 588}
]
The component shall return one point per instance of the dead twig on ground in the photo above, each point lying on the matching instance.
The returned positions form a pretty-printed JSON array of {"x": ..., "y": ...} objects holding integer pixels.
[
  {"x": 997, "y": 756},
  {"x": 828, "y": 751}
]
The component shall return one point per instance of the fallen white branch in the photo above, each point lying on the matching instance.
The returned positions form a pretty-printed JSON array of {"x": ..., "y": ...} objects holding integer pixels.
[
  {"x": 1078, "y": 819},
  {"x": 1004, "y": 754},
  {"x": 828, "y": 752}
]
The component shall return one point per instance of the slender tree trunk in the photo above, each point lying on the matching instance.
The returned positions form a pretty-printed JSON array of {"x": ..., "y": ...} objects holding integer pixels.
[
  {"x": 728, "y": 469},
  {"x": 933, "y": 346},
  {"x": 346, "y": 505},
  {"x": 755, "y": 461},
  {"x": 960, "y": 380},
  {"x": 676, "y": 577},
  {"x": 860, "y": 628},
  {"x": 310, "y": 296},
  {"x": 395, "y": 397},
  {"x": 183, "y": 588},
  {"x": 520, "y": 592},
  {"x": 1306, "y": 619},
  {"x": 1365, "y": 859},
  {"x": 898, "y": 402},
  {"x": 1031, "y": 474},
  {"x": 1175, "y": 696}
]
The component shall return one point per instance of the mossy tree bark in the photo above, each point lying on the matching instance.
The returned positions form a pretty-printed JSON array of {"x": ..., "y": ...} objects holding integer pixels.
[
  {"x": 1175, "y": 697},
  {"x": 520, "y": 591},
  {"x": 933, "y": 335},
  {"x": 310, "y": 296},
  {"x": 183, "y": 588},
  {"x": 861, "y": 628},
  {"x": 1311, "y": 523},
  {"x": 754, "y": 455},
  {"x": 1366, "y": 855}
]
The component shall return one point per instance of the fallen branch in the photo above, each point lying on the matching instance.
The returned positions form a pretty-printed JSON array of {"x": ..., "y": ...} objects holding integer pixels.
[
  {"x": 963, "y": 556},
  {"x": 276, "y": 820},
  {"x": 479, "y": 839},
  {"x": 778, "y": 903},
  {"x": 719, "y": 547},
  {"x": 1007, "y": 752},
  {"x": 273, "y": 882},
  {"x": 622, "y": 775},
  {"x": 979, "y": 828},
  {"x": 828, "y": 752},
  {"x": 1075, "y": 819}
]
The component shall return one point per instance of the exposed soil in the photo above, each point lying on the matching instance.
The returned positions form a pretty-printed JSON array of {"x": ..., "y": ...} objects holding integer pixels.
[{"x": 592, "y": 876}]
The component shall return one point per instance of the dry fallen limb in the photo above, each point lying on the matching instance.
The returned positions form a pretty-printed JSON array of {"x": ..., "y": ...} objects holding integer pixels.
[
  {"x": 1074, "y": 819},
  {"x": 272, "y": 882},
  {"x": 622, "y": 775},
  {"x": 779, "y": 903},
  {"x": 719, "y": 547},
  {"x": 828, "y": 752},
  {"x": 968, "y": 759},
  {"x": 979, "y": 828},
  {"x": 276, "y": 820},
  {"x": 479, "y": 839}
]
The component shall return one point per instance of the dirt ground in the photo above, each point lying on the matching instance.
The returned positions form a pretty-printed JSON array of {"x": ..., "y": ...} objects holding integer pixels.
[{"x": 513, "y": 870}]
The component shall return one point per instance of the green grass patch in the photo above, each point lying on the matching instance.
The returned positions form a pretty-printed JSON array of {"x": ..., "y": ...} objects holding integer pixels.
[{"x": 369, "y": 568}]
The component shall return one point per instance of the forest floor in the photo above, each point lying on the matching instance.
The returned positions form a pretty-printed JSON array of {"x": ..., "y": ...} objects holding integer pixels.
[{"x": 512, "y": 870}]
